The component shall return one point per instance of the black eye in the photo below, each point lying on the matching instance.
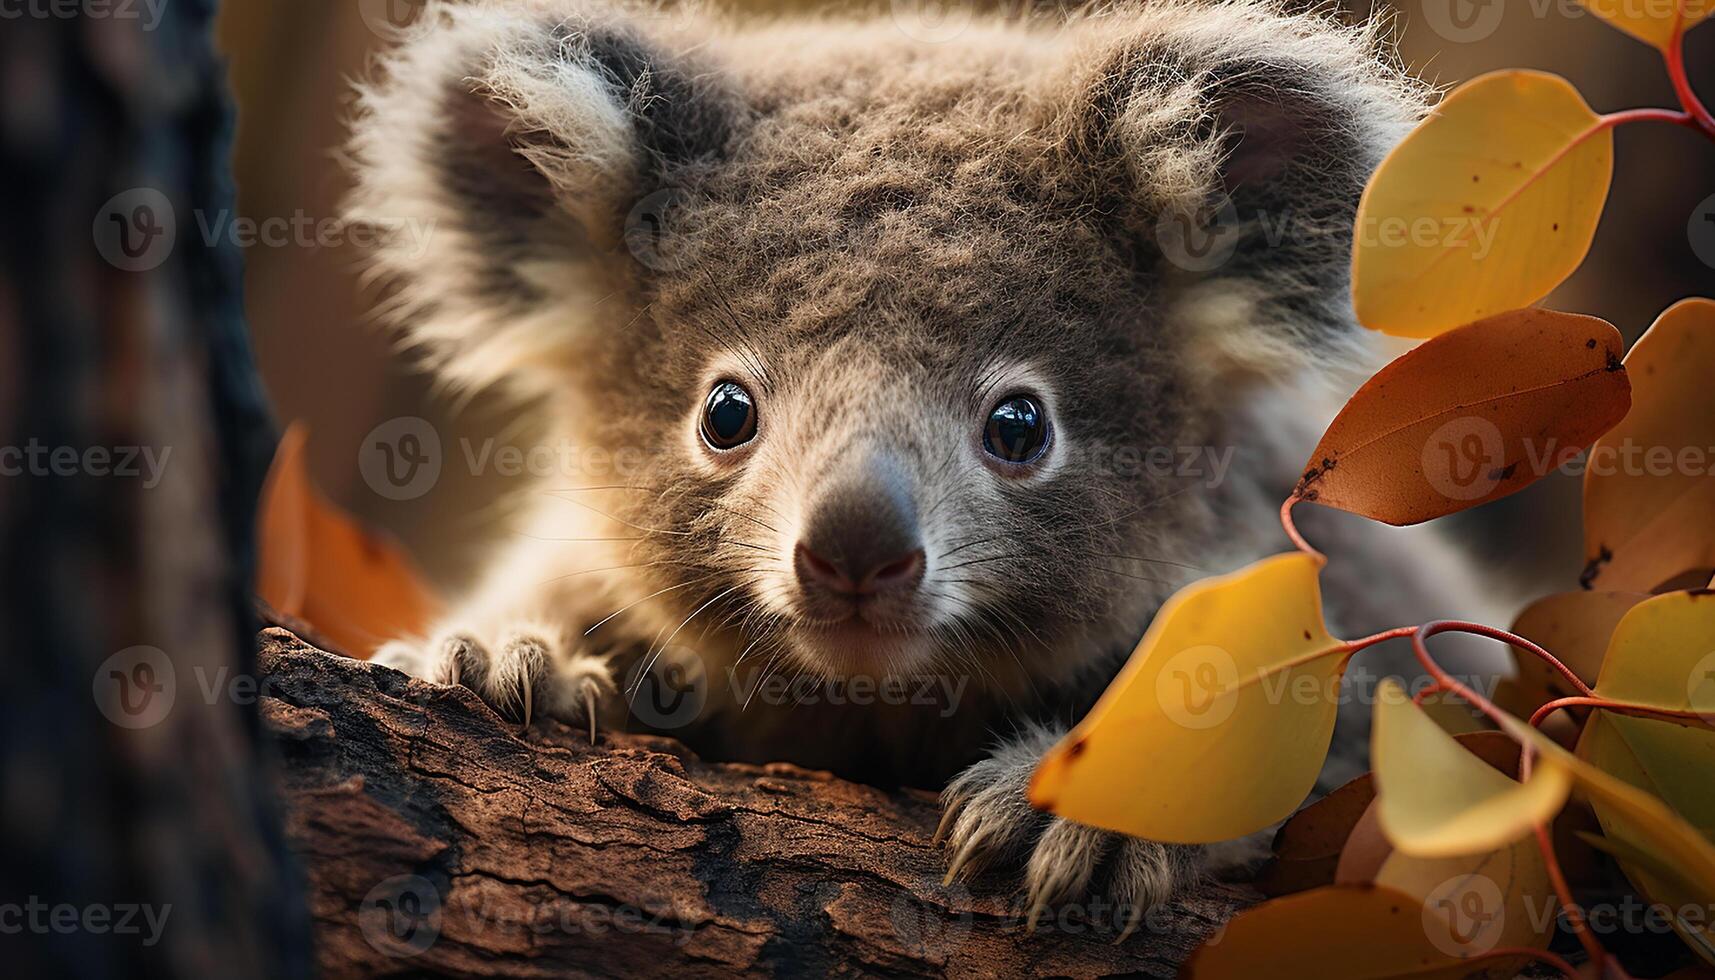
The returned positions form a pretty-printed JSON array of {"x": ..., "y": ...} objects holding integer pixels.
[
  {"x": 1017, "y": 430},
  {"x": 729, "y": 416}
]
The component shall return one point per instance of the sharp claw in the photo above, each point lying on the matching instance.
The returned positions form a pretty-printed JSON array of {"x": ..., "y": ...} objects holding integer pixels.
[
  {"x": 1035, "y": 915},
  {"x": 589, "y": 707},
  {"x": 457, "y": 674},
  {"x": 1131, "y": 923},
  {"x": 961, "y": 859},
  {"x": 526, "y": 726},
  {"x": 946, "y": 823}
]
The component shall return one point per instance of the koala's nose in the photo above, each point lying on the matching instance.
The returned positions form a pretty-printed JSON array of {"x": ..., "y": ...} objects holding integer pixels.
[{"x": 861, "y": 537}]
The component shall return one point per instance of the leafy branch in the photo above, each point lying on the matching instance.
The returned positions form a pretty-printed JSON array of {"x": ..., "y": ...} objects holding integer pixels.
[{"x": 1449, "y": 840}]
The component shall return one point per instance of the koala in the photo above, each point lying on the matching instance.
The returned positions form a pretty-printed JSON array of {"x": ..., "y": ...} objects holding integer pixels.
[{"x": 944, "y": 347}]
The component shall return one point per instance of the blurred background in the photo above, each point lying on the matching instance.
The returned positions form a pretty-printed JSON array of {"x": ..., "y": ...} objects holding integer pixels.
[{"x": 325, "y": 364}]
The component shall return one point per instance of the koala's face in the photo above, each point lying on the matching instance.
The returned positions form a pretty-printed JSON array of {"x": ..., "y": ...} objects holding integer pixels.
[
  {"x": 918, "y": 440},
  {"x": 893, "y": 321}
]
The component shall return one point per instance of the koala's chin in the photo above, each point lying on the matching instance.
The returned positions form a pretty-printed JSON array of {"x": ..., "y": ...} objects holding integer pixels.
[
  {"x": 891, "y": 320},
  {"x": 854, "y": 648}
]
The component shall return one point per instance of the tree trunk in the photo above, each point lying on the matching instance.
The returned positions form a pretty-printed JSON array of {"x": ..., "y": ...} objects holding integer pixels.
[
  {"x": 437, "y": 839},
  {"x": 138, "y": 832}
]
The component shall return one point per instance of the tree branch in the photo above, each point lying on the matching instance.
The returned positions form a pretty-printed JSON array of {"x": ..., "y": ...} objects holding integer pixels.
[{"x": 436, "y": 839}]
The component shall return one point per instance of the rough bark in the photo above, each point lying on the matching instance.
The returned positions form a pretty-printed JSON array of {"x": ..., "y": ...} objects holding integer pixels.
[
  {"x": 438, "y": 839},
  {"x": 132, "y": 441}
]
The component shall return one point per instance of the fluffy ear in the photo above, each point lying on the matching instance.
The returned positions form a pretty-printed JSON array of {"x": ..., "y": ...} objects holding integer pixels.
[
  {"x": 497, "y": 154},
  {"x": 1235, "y": 140}
]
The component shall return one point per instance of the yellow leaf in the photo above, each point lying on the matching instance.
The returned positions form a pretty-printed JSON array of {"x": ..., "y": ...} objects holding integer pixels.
[
  {"x": 1662, "y": 655},
  {"x": 1650, "y": 21},
  {"x": 1649, "y": 491},
  {"x": 1235, "y": 685},
  {"x": 1486, "y": 207},
  {"x": 1648, "y": 824},
  {"x": 1341, "y": 932},
  {"x": 1471, "y": 416},
  {"x": 356, "y": 587},
  {"x": 1436, "y": 799}
]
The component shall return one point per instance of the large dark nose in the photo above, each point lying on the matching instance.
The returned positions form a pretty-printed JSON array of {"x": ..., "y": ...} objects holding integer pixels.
[{"x": 861, "y": 537}]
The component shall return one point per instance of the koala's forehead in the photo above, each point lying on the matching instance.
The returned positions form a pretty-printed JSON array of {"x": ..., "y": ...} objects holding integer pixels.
[{"x": 915, "y": 260}]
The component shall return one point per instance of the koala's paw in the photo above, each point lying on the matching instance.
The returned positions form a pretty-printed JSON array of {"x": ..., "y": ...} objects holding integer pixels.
[
  {"x": 521, "y": 674},
  {"x": 988, "y": 824}
]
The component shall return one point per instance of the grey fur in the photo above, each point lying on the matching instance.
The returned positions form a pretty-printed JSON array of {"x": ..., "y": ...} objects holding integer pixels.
[{"x": 879, "y": 236}]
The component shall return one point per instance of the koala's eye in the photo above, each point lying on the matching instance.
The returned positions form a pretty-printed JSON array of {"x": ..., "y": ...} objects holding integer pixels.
[
  {"x": 1017, "y": 430},
  {"x": 729, "y": 416}
]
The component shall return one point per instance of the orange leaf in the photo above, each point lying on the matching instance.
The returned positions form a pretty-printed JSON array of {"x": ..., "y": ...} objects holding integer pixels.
[
  {"x": 1307, "y": 847},
  {"x": 1575, "y": 627},
  {"x": 1649, "y": 491},
  {"x": 1470, "y": 416},
  {"x": 1342, "y": 931},
  {"x": 355, "y": 586}
]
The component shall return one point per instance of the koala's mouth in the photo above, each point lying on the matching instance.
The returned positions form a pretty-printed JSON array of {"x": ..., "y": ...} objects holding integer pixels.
[{"x": 856, "y": 645}]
